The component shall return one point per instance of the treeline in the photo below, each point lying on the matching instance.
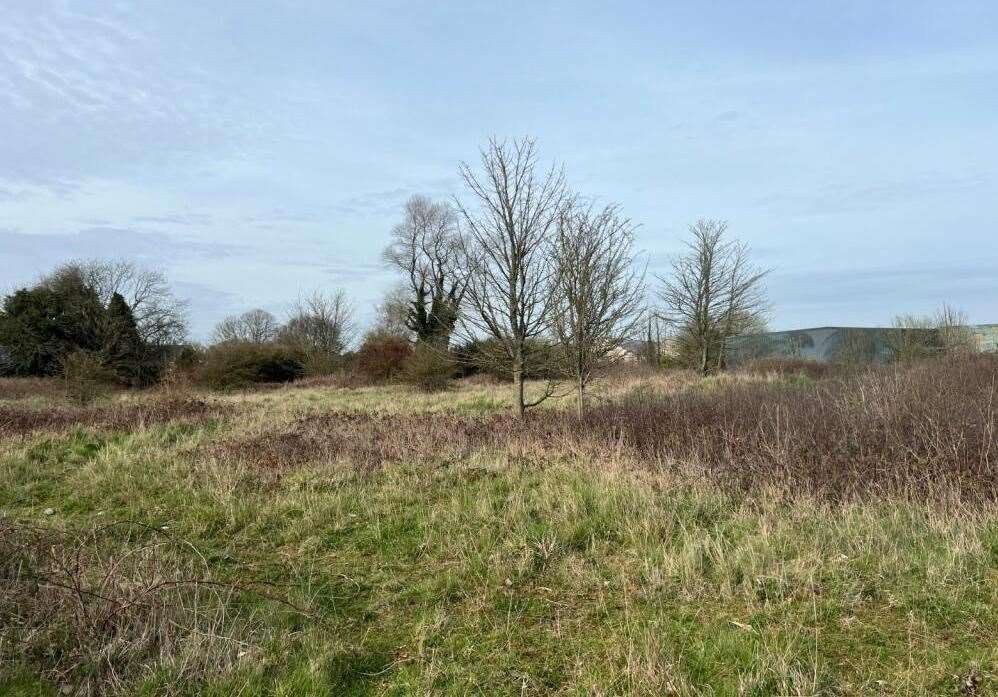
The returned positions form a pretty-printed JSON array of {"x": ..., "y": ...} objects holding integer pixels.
[
  {"x": 529, "y": 278},
  {"x": 522, "y": 278}
]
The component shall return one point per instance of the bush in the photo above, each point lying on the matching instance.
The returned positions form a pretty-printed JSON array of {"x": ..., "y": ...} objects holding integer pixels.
[
  {"x": 319, "y": 364},
  {"x": 479, "y": 357},
  {"x": 383, "y": 357},
  {"x": 182, "y": 369},
  {"x": 428, "y": 368},
  {"x": 86, "y": 376},
  {"x": 188, "y": 359},
  {"x": 40, "y": 327},
  {"x": 238, "y": 365},
  {"x": 488, "y": 357}
]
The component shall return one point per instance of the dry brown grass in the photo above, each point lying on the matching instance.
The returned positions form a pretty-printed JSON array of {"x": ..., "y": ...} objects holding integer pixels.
[
  {"x": 926, "y": 431},
  {"x": 921, "y": 431},
  {"x": 17, "y": 420},
  {"x": 31, "y": 389},
  {"x": 93, "y": 610}
]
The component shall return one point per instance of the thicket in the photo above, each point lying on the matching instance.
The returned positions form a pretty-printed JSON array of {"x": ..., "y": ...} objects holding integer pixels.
[
  {"x": 240, "y": 364},
  {"x": 382, "y": 357}
]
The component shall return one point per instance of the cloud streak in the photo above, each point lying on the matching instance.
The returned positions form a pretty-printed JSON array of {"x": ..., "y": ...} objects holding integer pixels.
[{"x": 842, "y": 197}]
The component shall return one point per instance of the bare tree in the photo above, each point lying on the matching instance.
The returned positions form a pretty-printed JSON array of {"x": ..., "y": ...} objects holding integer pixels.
[
  {"x": 425, "y": 248},
  {"x": 159, "y": 315},
  {"x": 321, "y": 325},
  {"x": 746, "y": 303},
  {"x": 713, "y": 292},
  {"x": 945, "y": 332},
  {"x": 392, "y": 314},
  {"x": 656, "y": 335},
  {"x": 507, "y": 251},
  {"x": 954, "y": 330},
  {"x": 251, "y": 327},
  {"x": 912, "y": 338},
  {"x": 598, "y": 292}
]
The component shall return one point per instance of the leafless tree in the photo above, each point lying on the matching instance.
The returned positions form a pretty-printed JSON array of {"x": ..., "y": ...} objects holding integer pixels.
[
  {"x": 425, "y": 248},
  {"x": 392, "y": 314},
  {"x": 713, "y": 292},
  {"x": 954, "y": 330},
  {"x": 508, "y": 234},
  {"x": 598, "y": 292},
  {"x": 159, "y": 315},
  {"x": 656, "y": 335},
  {"x": 251, "y": 327},
  {"x": 915, "y": 337},
  {"x": 320, "y": 324},
  {"x": 746, "y": 300}
]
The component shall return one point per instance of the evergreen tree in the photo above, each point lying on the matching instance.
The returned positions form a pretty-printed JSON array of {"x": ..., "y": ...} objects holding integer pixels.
[
  {"x": 40, "y": 326},
  {"x": 124, "y": 351}
]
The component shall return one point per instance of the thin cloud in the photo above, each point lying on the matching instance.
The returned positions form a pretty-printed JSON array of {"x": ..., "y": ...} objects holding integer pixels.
[
  {"x": 375, "y": 202},
  {"x": 41, "y": 252},
  {"x": 849, "y": 198},
  {"x": 176, "y": 219}
]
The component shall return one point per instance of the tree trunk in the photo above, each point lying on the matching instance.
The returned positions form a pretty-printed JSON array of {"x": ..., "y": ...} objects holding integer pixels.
[
  {"x": 582, "y": 397},
  {"x": 704, "y": 367},
  {"x": 518, "y": 386}
]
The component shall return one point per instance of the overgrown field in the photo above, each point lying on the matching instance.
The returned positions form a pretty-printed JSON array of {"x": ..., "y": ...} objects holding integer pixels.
[{"x": 758, "y": 534}]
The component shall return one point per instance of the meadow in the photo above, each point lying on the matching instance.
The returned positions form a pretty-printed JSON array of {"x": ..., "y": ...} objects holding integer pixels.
[{"x": 778, "y": 531}]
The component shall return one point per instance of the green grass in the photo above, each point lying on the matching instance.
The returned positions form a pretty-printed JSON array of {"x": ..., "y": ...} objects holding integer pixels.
[{"x": 547, "y": 577}]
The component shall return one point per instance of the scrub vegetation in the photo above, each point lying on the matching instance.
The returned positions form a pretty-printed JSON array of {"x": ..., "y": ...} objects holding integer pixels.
[
  {"x": 772, "y": 531},
  {"x": 497, "y": 488}
]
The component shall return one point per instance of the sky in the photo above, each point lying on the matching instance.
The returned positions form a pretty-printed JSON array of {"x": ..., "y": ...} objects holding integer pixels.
[{"x": 254, "y": 151}]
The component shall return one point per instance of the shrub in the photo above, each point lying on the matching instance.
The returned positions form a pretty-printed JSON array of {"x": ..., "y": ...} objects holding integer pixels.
[
  {"x": 488, "y": 357},
  {"x": 319, "y": 364},
  {"x": 428, "y": 368},
  {"x": 238, "y": 365},
  {"x": 40, "y": 327},
  {"x": 86, "y": 376},
  {"x": 188, "y": 359},
  {"x": 383, "y": 357},
  {"x": 182, "y": 369},
  {"x": 479, "y": 357}
]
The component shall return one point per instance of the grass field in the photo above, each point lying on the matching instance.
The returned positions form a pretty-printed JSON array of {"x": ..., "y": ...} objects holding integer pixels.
[{"x": 316, "y": 540}]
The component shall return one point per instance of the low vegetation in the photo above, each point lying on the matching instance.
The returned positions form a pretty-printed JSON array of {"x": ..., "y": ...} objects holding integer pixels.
[
  {"x": 765, "y": 532},
  {"x": 301, "y": 509}
]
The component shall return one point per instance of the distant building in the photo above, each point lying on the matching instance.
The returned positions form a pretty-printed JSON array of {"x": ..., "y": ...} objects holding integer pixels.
[
  {"x": 836, "y": 344},
  {"x": 628, "y": 352},
  {"x": 986, "y": 336}
]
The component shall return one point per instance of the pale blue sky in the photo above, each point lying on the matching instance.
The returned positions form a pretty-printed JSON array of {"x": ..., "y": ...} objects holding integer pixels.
[{"x": 255, "y": 149}]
